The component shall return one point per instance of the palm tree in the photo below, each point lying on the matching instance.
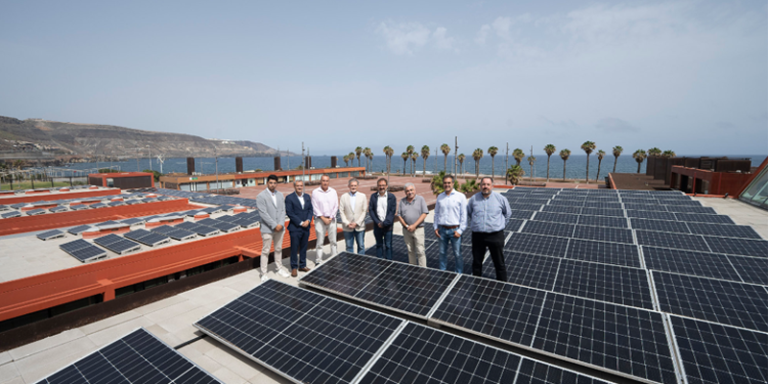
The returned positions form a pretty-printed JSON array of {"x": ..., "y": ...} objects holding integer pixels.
[
  {"x": 565, "y": 154},
  {"x": 477, "y": 155},
  {"x": 493, "y": 151},
  {"x": 588, "y": 147},
  {"x": 446, "y": 150},
  {"x": 600, "y": 155},
  {"x": 639, "y": 156},
  {"x": 388, "y": 151},
  {"x": 405, "y": 157},
  {"x": 424, "y": 155},
  {"x": 370, "y": 158},
  {"x": 669, "y": 153},
  {"x": 531, "y": 161},
  {"x": 549, "y": 149},
  {"x": 518, "y": 154},
  {"x": 409, "y": 150},
  {"x": 461, "y": 158},
  {"x": 514, "y": 173},
  {"x": 346, "y": 160},
  {"x": 654, "y": 152},
  {"x": 351, "y": 156},
  {"x": 358, "y": 152},
  {"x": 414, "y": 156},
  {"x": 617, "y": 150}
]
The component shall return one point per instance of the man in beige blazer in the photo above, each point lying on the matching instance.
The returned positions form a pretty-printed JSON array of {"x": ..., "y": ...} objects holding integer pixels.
[{"x": 352, "y": 208}]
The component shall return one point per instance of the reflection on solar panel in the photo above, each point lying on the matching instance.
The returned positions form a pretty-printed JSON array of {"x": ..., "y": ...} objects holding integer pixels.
[
  {"x": 653, "y": 215},
  {"x": 83, "y": 250},
  {"x": 401, "y": 287},
  {"x": 737, "y": 231},
  {"x": 618, "y": 338},
  {"x": 54, "y": 234},
  {"x": 615, "y": 235},
  {"x": 526, "y": 269},
  {"x": 145, "y": 237},
  {"x": 690, "y": 263},
  {"x": 725, "y": 302},
  {"x": 175, "y": 233},
  {"x": 602, "y": 252},
  {"x": 743, "y": 247},
  {"x": 548, "y": 228},
  {"x": 714, "y": 353},
  {"x": 490, "y": 308},
  {"x": 703, "y": 218},
  {"x": 751, "y": 269},
  {"x": 302, "y": 335},
  {"x": 604, "y": 282},
  {"x": 537, "y": 244},
  {"x": 671, "y": 240},
  {"x": 139, "y": 357},
  {"x": 117, "y": 244}
]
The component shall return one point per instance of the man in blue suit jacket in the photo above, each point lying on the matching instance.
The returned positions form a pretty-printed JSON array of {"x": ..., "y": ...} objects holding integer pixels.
[
  {"x": 382, "y": 210},
  {"x": 298, "y": 207}
]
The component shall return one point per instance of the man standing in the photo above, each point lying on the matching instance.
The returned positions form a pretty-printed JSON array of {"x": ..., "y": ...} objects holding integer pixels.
[
  {"x": 325, "y": 203},
  {"x": 450, "y": 223},
  {"x": 272, "y": 212},
  {"x": 382, "y": 210},
  {"x": 352, "y": 209},
  {"x": 298, "y": 205},
  {"x": 413, "y": 210},
  {"x": 489, "y": 212}
]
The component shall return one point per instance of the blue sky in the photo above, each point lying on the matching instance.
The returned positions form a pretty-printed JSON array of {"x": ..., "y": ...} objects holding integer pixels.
[{"x": 691, "y": 76}]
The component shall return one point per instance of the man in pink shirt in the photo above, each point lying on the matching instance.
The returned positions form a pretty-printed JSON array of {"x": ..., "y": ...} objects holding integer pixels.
[{"x": 325, "y": 203}]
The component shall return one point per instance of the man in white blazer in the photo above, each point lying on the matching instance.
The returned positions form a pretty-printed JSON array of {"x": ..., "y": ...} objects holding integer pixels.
[{"x": 352, "y": 208}]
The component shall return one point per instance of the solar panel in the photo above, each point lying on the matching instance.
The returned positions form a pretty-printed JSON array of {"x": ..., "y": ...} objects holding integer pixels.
[
  {"x": 603, "y": 212},
  {"x": 202, "y": 230},
  {"x": 145, "y": 237},
  {"x": 751, "y": 269},
  {"x": 505, "y": 312},
  {"x": 715, "y": 353},
  {"x": 227, "y": 218},
  {"x": 116, "y": 203},
  {"x": 604, "y": 205},
  {"x": 98, "y": 205},
  {"x": 220, "y": 225},
  {"x": 736, "y": 231},
  {"x": 138, "y": 357},
  {"x": 613, "y": 337},
  {"x": 117, "y": 244},
  {"x": 35, "y": 212},
  {"x": 19, "y": 205},
  {"x": 400, "y": 250},
  {"x": 660, "y": 225},
  {"x": 603, "y": 252},
  {"x": 604, "y": 282},
  {"x": 526, "y": 269},
  {"x": 83, "y": 250},
  {"x": 653, "y": 215},
  {"x": 603, "y": 221},
  {"x": 247, "y": 222},
  {"x": 671, "y": 240},
  {"x": 535, "y": 372},
  {"x": 743, "y": 247},
  {"x": 614, "y": 235},
  {"x": 556, "y": 217},
  {"x": 79, "y": 229},
  {"x": 78, "y": 207},
  {"x": 518, "y": 214},
  {"x": 175, "y": 233},
  {"x": 690, "y": 263},
  {"x": 133, "y": 221},
  {"x": 645, "y": 207},
  {"x": 57, "y": 209},
  {"x": 513, "y": 225},
  {"x": 704, "y": 218},
  {"x": 548, "y": 228},
  {"x": 397, "y": 286},
  {"x": 9, "y": 215},
  {"x": 49, "y": 235},
  {"x": 433, "y": 258},
  {"x": 691, "y": 209},
  {"x": 537, "y": 244},
  {"x": 726, "y": 302},
  {"x": 562, "y": 209},
  {"x": 301, "y": 335},
  {"x": 4, "y": 207}
]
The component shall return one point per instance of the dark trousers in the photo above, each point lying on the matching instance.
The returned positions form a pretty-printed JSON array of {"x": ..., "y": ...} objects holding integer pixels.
[
  {"x": 494, "y": 241},
  {"x": 383, "y": 238},
  {"x": 299, "y": 240}
]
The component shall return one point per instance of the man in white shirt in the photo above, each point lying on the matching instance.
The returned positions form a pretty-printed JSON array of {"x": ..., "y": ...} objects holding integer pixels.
[
  {"x": 325, "y": 203},
  {"x": 450, "y": 223},
  {"x": 272, "y": 212},
  {"x": 352, "y": 208}
]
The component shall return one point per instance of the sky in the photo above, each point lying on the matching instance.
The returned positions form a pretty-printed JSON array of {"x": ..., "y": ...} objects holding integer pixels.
[{"x": 690, "y": 76}]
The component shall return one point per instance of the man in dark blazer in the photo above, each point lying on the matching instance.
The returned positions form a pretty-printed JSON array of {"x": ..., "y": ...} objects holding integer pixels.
[
  {"x": 382, "y": 210},
  {"x": 298, "y": 207}
]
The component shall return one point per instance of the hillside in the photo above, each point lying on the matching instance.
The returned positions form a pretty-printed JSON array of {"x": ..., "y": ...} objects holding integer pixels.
[{"x": 108, "y": 140}]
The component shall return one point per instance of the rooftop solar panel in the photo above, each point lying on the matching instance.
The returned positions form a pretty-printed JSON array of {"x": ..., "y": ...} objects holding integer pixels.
[
  {"x": 537, "y": 244},
  {"x": 751, "y": 269},
  {"x": 202, "y": 230},
  {"x": 301, "y": 335},
  {"x": 174, "y": 232},
  {"x": 736, "y": 231},
  {"x": 513, "y": 225},
  {"x": 714, "y": 353},
  {"x": 535, "y": 372},
  {"x": 691, "y": 209},
  {"x": 603, "y": 205},
  {"x": 19, "y": 205},
  {"x": 133, "y": 221},
  {"x": 553, "y": 217},
  {"x": 562, "y": 209},
  {"x": 604, "y": 282},
  {"x": 690, "y": 263},
  {"x": 400, "y": 251},
  {"x": 117, "y": 244},
  {"x": 98, "y": 205},
  {"x": 614, "y": 235},
  {"x": 78, "y": 207},
  {"x": 83, "y": 250},
  {"x": 527, "y": 270},
  {"x": 220, "y": 225},
  {"x": 49, "y": 235},
  {"x": 490, "y": 308},
  {"x": 9, "y": 215},
  {"x": 726, "y": 302},
  {"x": 548, "y": 228},
  {"x": 4, "y": 207},
  {"x": 35, "y": 212},
  {"x": 645, "y": 207},
  {"x": 603, "y": 212},
  {"x": 145, "y": 237},
  {"x": 671, "y": 240},
  {"x": 603, "y": 221},
  {"x": 743, "y": 247},
  {"x": 58, "y": 209},
  {"x": 139, "y": 357},
  {"x": 518, "y": 214},
  {"x": 433, "y": 258},
  {"x": 703, "y": 218},
  {"x": 660, "y": 225},
  {"x": 613, "y": 337},
  {"x": 653, "y": 215},
  {"x": 604, "y": 252},
  {"x": 79, "y": 229}
]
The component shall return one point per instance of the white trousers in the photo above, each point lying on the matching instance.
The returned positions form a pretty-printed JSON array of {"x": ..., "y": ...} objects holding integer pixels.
[
  {"x": 266, "y": 241},
  {"x": 321, "y": 230}
]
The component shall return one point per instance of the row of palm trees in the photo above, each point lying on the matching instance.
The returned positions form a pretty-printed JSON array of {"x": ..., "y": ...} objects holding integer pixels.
[{"x": 518, "y": 154}]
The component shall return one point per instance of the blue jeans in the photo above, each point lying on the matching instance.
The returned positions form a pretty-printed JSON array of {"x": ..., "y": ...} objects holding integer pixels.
[
  {"x": 299, "y": 240},
  {"x": 352, "y": 236},
  {"x": 446, "y": 236},
  {"x": 383, "y": 238}
]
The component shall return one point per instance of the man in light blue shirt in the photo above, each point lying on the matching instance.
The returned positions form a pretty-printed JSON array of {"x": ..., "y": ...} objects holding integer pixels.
[
  {"x": 489, "y": 212},
  {"x": 450, "y": 223}
]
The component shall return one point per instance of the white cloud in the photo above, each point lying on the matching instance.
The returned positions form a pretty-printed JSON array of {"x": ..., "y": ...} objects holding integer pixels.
[
  {"x": 482, "y": 34},
  {"x": 407, "y": 38}
]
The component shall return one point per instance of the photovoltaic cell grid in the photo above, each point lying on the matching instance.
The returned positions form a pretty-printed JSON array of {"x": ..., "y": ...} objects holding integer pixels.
[
  {"x": 604, "y": 282},
  {"x": 548, "y": 228},
  {"x": 83, "y": 250},
  {"x": 138, "y": 357},
  {"x": 604, "y": 252},
  {"x": 671, "y": 240},
  {"x": 734, "y": 231},
  {"x": 49, "y": 235},
  {"x": 300, "y": 334},
  {"x": 528, "y": 270},
  {"x": 537, "y": 244},
  {"x": 751, "y": 269},
  {"x": 743, "y": 247},
  {"x": 556, "y": 217},
  {"x": 615, "y": 235},
  {"x": 603, "y": 221},
  {"x": 147, "y": 238},
  {"x": 400, "y": 250},
  {"x": 690, "y": 263},
  {"x": 117, "y": 244}
]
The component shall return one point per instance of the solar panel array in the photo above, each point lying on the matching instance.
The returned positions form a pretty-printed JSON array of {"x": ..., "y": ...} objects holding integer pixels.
[
  {"x": 117, "y": 244},
  {"x": 83, "y": 250},
  {"x": 76, "y": 204}
]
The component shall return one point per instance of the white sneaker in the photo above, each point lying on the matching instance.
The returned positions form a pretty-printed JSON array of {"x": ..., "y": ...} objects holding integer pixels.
[
  {"x": 282, "y": 272},
  {"x": 318, "y": 260},
  {"x": 265, "y": 278}
]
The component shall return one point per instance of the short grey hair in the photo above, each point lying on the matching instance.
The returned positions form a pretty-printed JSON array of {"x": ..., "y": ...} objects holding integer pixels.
[
  {"x": 409, "y": 185},
  {"x": 353, "y": 180},
  {"x": 297, "y": 181},
  {"x": 325, "y": 175}
]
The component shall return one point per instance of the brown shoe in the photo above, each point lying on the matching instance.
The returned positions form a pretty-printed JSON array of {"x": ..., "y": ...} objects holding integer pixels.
[
  {"x": 294, "y": 273},
  {"x": 305, "y": 269}
]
